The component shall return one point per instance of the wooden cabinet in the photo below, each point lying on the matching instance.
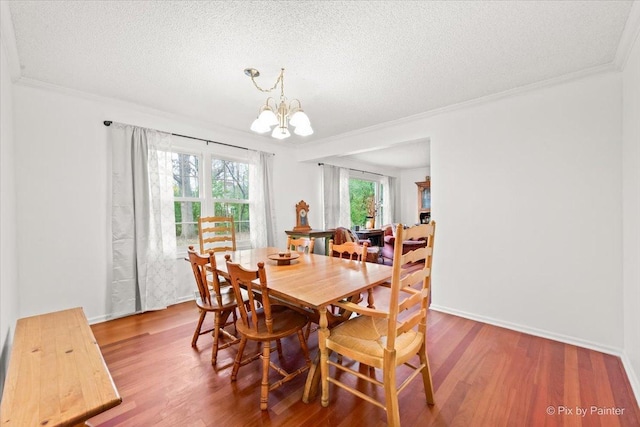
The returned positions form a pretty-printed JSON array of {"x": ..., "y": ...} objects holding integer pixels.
[{"x": 424, "y": 201}]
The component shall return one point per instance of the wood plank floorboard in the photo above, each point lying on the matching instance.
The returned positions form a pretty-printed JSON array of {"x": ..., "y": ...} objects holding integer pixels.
[{"x": 483, "y": 376}]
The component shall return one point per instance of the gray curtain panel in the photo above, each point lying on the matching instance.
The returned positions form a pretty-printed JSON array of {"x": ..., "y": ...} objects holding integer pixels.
[{"x": 142, "y": 221}]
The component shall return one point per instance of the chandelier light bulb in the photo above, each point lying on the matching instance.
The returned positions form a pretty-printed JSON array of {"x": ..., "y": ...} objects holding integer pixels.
[
  {"x": 280, "y": 133},
  {"x": 268, "y": 117},
  {"x": 299, "y": 118},
  {"x": 259, "y": 127},
  {"x": 303, "y": 130}
]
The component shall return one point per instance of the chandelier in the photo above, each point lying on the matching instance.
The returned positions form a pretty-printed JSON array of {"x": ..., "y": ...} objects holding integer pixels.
[{"x": 279, "y": 115}]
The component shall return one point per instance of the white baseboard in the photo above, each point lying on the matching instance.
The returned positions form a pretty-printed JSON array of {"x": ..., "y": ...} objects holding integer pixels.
[
  {"x": 104, "y": 318},
  {"x": 531, "y": 331},
  {"x": 631, "y": 374},
  {"x": 185, "y": 298},
  {"x": 626, "y": 363},
  {"x": 107, "y": 317}
]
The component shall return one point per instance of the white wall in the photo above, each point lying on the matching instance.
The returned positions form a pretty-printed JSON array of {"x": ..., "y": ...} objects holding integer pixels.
[
  {"x": 631, "y": 214},
  {"x": 526, "y": 192},
  {"x": 8, "y": 253},
  {"x": 529, "y": 226},
  {"x": 62, "y": 177}
]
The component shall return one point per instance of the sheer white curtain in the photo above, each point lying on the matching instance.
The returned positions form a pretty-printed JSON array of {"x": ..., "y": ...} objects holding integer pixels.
[
  {"x": 261, "y": 209},
  {"x": 335, "y": 189},
  {"x": 142, "y": 222},
  {"x": 388, "y": 199},
  {"x": 345, "y": 204}
]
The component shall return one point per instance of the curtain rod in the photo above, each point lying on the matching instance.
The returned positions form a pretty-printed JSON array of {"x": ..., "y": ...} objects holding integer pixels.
[
  {"x": 355, "y": 170},
  {"x": 108, "y": 123}
]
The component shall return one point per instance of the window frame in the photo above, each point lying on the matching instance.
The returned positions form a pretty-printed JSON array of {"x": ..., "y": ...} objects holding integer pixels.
[
  {"x": 180, "y": 150},
  {"x": 240, "y": 244},
  {"x": 205, "y": 157}
]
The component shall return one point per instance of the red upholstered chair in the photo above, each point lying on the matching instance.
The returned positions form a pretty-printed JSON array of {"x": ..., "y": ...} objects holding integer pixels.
[
  {"x": 343, "y": 235},
  {"x": 390, "y": 240}
]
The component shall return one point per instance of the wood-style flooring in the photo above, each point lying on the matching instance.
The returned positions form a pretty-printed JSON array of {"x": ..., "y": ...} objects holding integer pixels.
[{"x": 483, "y": 376}]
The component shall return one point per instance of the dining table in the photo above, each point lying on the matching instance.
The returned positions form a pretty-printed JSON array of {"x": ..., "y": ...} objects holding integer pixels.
[{"x": 312, "y": 282}]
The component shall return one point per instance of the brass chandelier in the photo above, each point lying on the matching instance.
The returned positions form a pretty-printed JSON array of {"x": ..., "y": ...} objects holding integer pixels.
[{"x": 279, "y": 115}]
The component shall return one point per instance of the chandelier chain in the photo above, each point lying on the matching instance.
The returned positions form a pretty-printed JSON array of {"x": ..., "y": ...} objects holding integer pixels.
[{"x": 280, "y": 80}]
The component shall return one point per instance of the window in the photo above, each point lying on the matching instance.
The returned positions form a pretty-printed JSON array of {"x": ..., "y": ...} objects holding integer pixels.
[
  {"x": 186, "y": 193},
  {"x": 222, "y": 189},
  {"x": 230, "y": 194},
  {"x": 365, "y": 198}
]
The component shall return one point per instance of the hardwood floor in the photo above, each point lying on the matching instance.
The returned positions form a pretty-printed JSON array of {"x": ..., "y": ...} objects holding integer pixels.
[{"x": 483, "y": 376}]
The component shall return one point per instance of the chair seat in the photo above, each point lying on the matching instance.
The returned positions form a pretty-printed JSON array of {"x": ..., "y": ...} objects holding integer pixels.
[
  {"x": 363, "y": 338},
  {"x": 285, "y": 322},
  {"x": 228, "y": 300}
]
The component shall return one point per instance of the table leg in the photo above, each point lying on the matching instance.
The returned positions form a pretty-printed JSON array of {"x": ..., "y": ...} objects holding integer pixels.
[
  {"x": 370, "y": 298},
  {"x": 314, "y": 376}
]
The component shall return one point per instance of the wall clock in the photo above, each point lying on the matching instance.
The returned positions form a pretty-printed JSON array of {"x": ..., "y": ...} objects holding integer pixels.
[{"x": 302, "y": 217}]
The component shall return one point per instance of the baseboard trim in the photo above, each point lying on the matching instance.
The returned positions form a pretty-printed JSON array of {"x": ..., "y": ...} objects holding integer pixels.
[
  {"x": 631, "y": 375},
  {"x": 185, "y": 298},
  {"x": 626, "y": 362},
  {"x": 531, "y": 331},
  {"x": 106, "y": 317}
]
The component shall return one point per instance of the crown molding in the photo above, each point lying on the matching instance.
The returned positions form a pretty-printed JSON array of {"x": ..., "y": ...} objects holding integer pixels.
[
  {"x": 8, "y": 41},
  {"x": 629, "y": 37},
  {"x": 245, "y": 138},
  {"x": 577, "y": 75}
]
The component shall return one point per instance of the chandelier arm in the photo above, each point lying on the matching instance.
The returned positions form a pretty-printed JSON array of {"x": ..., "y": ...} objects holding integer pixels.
[{"x": 280, "y": 80}]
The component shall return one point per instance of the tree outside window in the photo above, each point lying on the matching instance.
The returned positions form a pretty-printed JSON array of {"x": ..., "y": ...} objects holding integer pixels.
[
  {"x": 225, "y": 192},
  {"x": 186, "y": 192},
  {"x": 230, "y": 192},
  {"x": 363, "y": 200}
]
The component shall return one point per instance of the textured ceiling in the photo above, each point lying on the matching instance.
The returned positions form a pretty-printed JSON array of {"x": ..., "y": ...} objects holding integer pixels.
[{"x": 352, "y": 64}]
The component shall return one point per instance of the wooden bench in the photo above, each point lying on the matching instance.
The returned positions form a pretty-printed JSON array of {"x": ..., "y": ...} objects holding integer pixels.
[{"x": 56, "y": 376}]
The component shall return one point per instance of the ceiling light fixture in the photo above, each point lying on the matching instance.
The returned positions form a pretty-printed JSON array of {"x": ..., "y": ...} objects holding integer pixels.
[{"x": 279, "y": 115}]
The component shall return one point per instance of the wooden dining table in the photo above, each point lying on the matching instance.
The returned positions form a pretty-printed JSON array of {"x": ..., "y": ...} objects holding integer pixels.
[{"x": 312, "y": 282}]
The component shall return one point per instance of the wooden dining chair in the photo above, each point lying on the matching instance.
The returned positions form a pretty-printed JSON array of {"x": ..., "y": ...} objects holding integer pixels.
[
  {"x": 354, "y": 251},
  {"x": 351, "y": 250},
  {"x": 216, "y": 233},
  {"x": 213, "y": 298},
  {"x": 343, "y": 235},
  {"x": 264, "y": 321},
  {"x": 302, "y": 245},
  {"x": 390, "y": 338}
]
